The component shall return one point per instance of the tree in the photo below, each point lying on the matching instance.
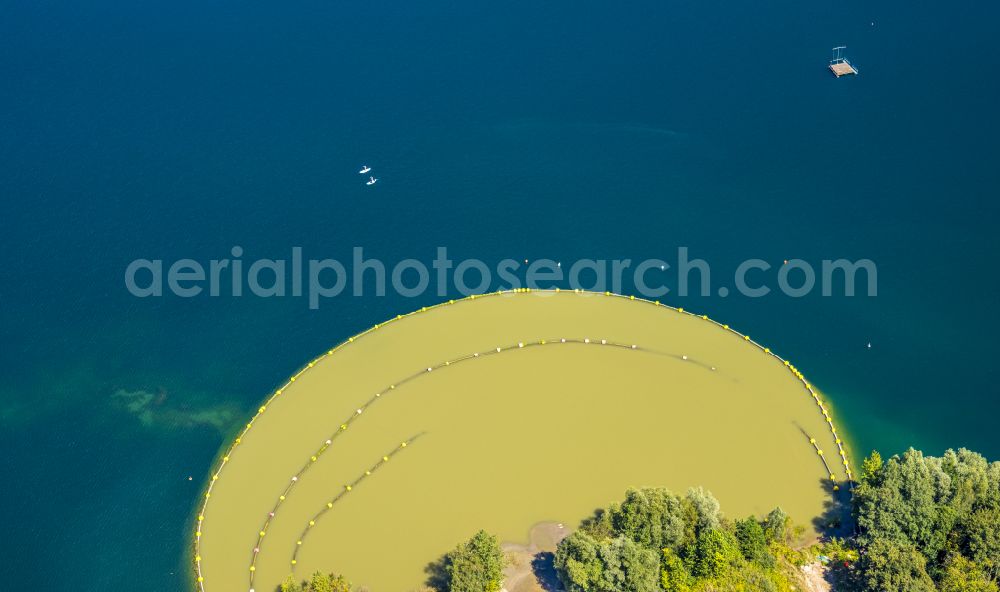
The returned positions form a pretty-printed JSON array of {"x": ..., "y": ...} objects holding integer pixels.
[
  {"x": 945, "y": 509},
  {"x": 651, "y": 517},
  {"x": 577, "y": 562},
  {"x": 599, "y": 525},
  {"x": 585, "y": 564},
  {"x": 320, "y": 582},
  {"x": 615, "y": 550},
  {"x": 476, "y": 566},
  {"x": 903, "y": 504},
  {"x": 890, "y": 566},
  {"x": 716, "y": 551},
  {"x": 983, "y": 528},
  {"x": 776, "y": 526},
  {"x": 674, "y": 577},
  {"x": 753, "y": 542},
  {"x": 290, "y": 585},
  {"x": 706, "y": 508},
  {"x": 870, "y": 467},
  {"x": 962, "y": 575}
]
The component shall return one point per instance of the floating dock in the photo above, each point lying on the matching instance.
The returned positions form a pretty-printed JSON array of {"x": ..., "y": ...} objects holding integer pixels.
[{"x": 839, "y": 64}]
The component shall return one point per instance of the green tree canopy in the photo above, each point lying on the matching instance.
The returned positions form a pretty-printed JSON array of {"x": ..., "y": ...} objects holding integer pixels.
[
  {"x": 753, "y": 542},
  {"x": 776, "y": 525},
  {"x": 962, "y": 575},
  {"x": 674, "y": 576},
  {"x": 890, "y": 566},
  {"x": 940, "y": 508},
  {"x": 585, "y": 564},
  {"x": 706, "y": 508},
  {"x": 318, "y": 582},
  {"x": 651, "y": 517},
  {"x": 717, "y": 550},
  {"x": 871, "y": 466},
  {"x": 477, "y": 565},
  {"x": 983, "y": 531}
]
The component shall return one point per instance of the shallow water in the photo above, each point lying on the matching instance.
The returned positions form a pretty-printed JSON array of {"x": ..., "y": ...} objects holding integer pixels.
[{"x": 506, "y": 440}]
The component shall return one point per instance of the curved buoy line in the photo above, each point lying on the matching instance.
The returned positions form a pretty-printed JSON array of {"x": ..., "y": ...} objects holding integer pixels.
[
  {"x": 822, "y": 457},
  {"x": 360, "y": 411},
  {"x": 199, "y": 577},
  {"x": 347, "y": 489},
  {"x": 329, "y": 505}
]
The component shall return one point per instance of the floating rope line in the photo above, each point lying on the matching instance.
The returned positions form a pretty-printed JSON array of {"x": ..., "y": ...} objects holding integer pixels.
[
  {"x": 819, "y": 451},
  {"x": 329, "y": 505},
  {"x": 793, "y": 369},
  {"x": 379, "y": 395},
  {"x": 225, "y": 457},
  {"x": 347, "y": 489}
]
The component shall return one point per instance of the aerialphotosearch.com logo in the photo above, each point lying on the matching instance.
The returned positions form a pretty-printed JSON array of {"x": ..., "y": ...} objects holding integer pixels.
[{"x": 319, "y": 279}]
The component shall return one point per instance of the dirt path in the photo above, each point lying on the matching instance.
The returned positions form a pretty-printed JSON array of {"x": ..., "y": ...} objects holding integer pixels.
[
  {"x": 814, "y": 576},
  {"x": 530, "y": 568}
]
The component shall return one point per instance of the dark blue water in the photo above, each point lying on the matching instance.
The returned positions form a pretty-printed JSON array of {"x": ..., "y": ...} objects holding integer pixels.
[{"x": 523, "y": 130}]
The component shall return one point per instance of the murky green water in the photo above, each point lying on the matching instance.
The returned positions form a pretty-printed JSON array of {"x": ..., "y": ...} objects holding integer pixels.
[{"x": 508, "y": 439}]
